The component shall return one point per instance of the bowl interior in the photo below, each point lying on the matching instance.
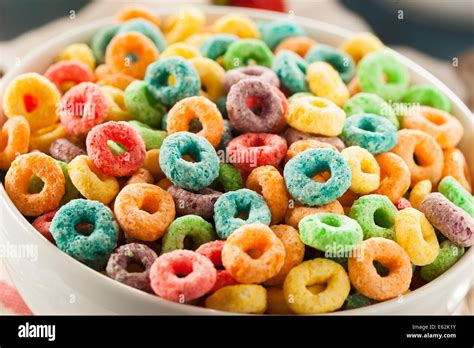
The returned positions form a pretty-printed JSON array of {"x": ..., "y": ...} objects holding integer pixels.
[{"x": 39, "y": 59}]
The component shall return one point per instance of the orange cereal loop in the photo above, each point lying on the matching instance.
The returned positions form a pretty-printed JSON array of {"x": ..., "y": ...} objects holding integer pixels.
[
  {"x": 118, "y": 80},
  {"x": 294, "y": 251},
  {"x": 103, "y": 71},
  {"x": 354, "y": 86},
  {"x": 14, "y": 140},
  {"x": 43, "y": 138},
  {"x": 152, "y": 164},
  {"x": 298, "y": 44},
  {"x": 361, "y": 44},
  {"x": 295, "y": 214},
  {"x": 419, "y": 192},
  {"x": 302, "y": 145},
  {"x": 201, "y": 108},
  {"x": 445, "y": 128},
  {"x": 267, "y": 181},
  {"x": 144, "y": 211},
  {"x": 364, "y": 276},
  {"x": 136, "y": 11},
  {"x": 455, "y": 165},
  {"x": 141, "y": 176},
  {"x": 253, "y": 254},
  {"x": 421, "y": 153},
  {"x": 164, "y": 183},
  {"x": 18, "y": 178},
  {"x": 130, "y": 53},
  {"x": 394, "y": 175}
]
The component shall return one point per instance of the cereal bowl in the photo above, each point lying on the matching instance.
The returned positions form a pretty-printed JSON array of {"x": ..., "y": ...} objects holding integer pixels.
[{"x": 52, "y": 282}]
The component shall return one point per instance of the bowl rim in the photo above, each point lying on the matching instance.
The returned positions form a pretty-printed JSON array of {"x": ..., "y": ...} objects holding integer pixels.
[{"x": 256, "y": 14}]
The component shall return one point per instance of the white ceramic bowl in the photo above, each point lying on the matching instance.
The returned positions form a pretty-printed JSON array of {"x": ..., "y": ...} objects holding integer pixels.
[{"x": 55, "y": 283}]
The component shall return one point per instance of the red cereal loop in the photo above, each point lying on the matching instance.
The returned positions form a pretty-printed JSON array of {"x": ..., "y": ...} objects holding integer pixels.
[
  {"x": 69, "y": 71},
  {"x": 42, "y": 223}
]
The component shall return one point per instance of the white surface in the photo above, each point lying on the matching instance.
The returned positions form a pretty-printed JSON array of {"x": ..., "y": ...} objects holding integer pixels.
[{"x": 57, "y": 284}]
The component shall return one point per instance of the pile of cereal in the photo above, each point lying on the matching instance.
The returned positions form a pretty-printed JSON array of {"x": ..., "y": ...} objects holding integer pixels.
[{"x": 239, "y": 166}]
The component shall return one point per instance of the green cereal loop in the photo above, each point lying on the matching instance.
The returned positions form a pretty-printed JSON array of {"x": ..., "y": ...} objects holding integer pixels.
[
  {"x": 376, "y": 215},
  {"x": 374, "y": 67},
  {"x": 457, "y": 194},
  {"x": 276, "y": 31},
  {"x": 427, "y": 95},
  {"x": 215, "y": 46},
  {"x": 363, "y": 103},
  {"x": 330, "y": 232},
  {"x": 356, "y": 300},
  {"x": 101, "y": 40},
  {"x": 36, "y": 185},
  {"x": 189, "y": 226},
  {"x": 247, "y": 51},
  {"x": 229, "y": 177},
  {"x": 142, "y": 106},
  {"x": 151, "y": 137},
  {"x": 449, "y": 254}
]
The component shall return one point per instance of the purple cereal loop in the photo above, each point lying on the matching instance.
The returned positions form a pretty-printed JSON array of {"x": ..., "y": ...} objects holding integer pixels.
[
  {"x": 199, "y": 203},
  {"x": 243, "y": 118},
  {"x": 293, "y": 135},
  {"x": 64, "y": 150},
  {"x": 258, "y": 72},
  {"x": 123, "y": 257},
  {"x": 450, "y": 220}
]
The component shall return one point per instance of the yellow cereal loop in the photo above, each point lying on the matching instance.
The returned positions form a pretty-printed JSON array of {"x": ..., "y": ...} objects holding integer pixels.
[
  {"x": 416, "y": 235},
  {"x": 211, "y": 75},
  {"x": 183, "y": 24},
  {"x": 315, "y": 115},
  {"x": 276, "y": 301},
  {"x": 91, "y": 182},
  {"x": 239, "y": 299},
  {"x": 318, "y": 271},
  {"x": 419, "y": 192},
  {"x": 117, "y": 110},
  {"x": 152, "y": 164},
  {"x": 180, "y": 49},
  {"x": 324, "y": 81},
  {"x": 364, "y": 168},
  {"x": 43, "y": 138},
  {"x": 236, "y": 24},
  {"x": 361, "y": 44},
  {"x": 33, "y": 96},
  {"x": 14, "y": 140},
  {"x": 80, "y": 52}
]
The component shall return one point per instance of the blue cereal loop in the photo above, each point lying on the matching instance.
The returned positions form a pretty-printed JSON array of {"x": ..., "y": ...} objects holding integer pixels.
[{"x": 291, "y": 70}]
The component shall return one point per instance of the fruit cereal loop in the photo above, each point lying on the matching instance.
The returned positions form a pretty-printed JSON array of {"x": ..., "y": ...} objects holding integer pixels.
[
  {"x": 294, "y": 251},
  {"x": 144, "y": 211},
  {"x": 267, "y": 181},
  {"x": 276, "y": 31},
  {"x": 137, "y": 11},
  {"x": 318, "y": 271},
  {"x": 183, "y": 24},
  {"x": 119, "y": 80},
  {"x": 445, "y": 128},
  {"x": 298, "y": 44},
  {"x": 34, "y": 97},
  {"x": 324, "y": 81},
  {"x": 142, "y": 176},
  {"x": 213, "y": 251},
  {"x": 145, "y": 27},
  {"x": 14, "y": 140},
  {"x": 229, "y": 178},
  {"x": 127, "y": 254},
  {"x": 455, "y": 165},
  {"x": 268, "y": 250},
  {"x": 453, "y": 222},
  {"x": 82, "y": 108},
  {"x": 252, "y": 150},
  {"x": 250, "y": 72},
  {"x": 215, "y": 46},
  {"x": 291, "y": 70},
  {"x": 453, "y": 191},
  {"x": 101, "y": 155},
  {"x": 368, "y": 103},
  {"x": 100, "y": 40},
  {"x": 364, "y": 276},
  {"x": 427, "y": 95},
  {"x": 303, "y": 145},
  {"x": 419, "y": 192},
  {"x": 42, "y": 139},
  {"x": 43, "y": 223},
  {"x": 69, "y": 71},
  {"x": 243, "y": 118},
  {"x": 117, "y": 110},
  {"x": 360, "y": 45},
  {"x": 181, "y": 49},
  {"x": 315, "y": 115},
  {"x": 141, "y": 104},
  {"x": 340, "y": 61},
  {"x": 94, "y": 249},
  {"x": 276, "y": 302},
  {"x": 449, "y": 254},
  {"x": 212, "y": 77},
  {"x": 18, "y": 177},
  {"x": 65, "y": 150},
  {"x": 247, "y": 52},
  {"x": 394, "y": 176},
  {"x": 131, "y": 53},
  {"x": 90, "y": 181},
  {"x": 364, "y": 168},
  {"x": 80, "y": 52},
  {"x": 152, "y": 164},
  {"x": 416, "y": 235},
  {"x": 295, "y": 214},
  {"x": 429, "y": 155},
  {"x": 199, "y": 203},
  {"x": 167, "y": 281},
  {"x": 238, "y": 25},
  {"x": 247, "y": 299},
  {"x": 183, "y": 112}
]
